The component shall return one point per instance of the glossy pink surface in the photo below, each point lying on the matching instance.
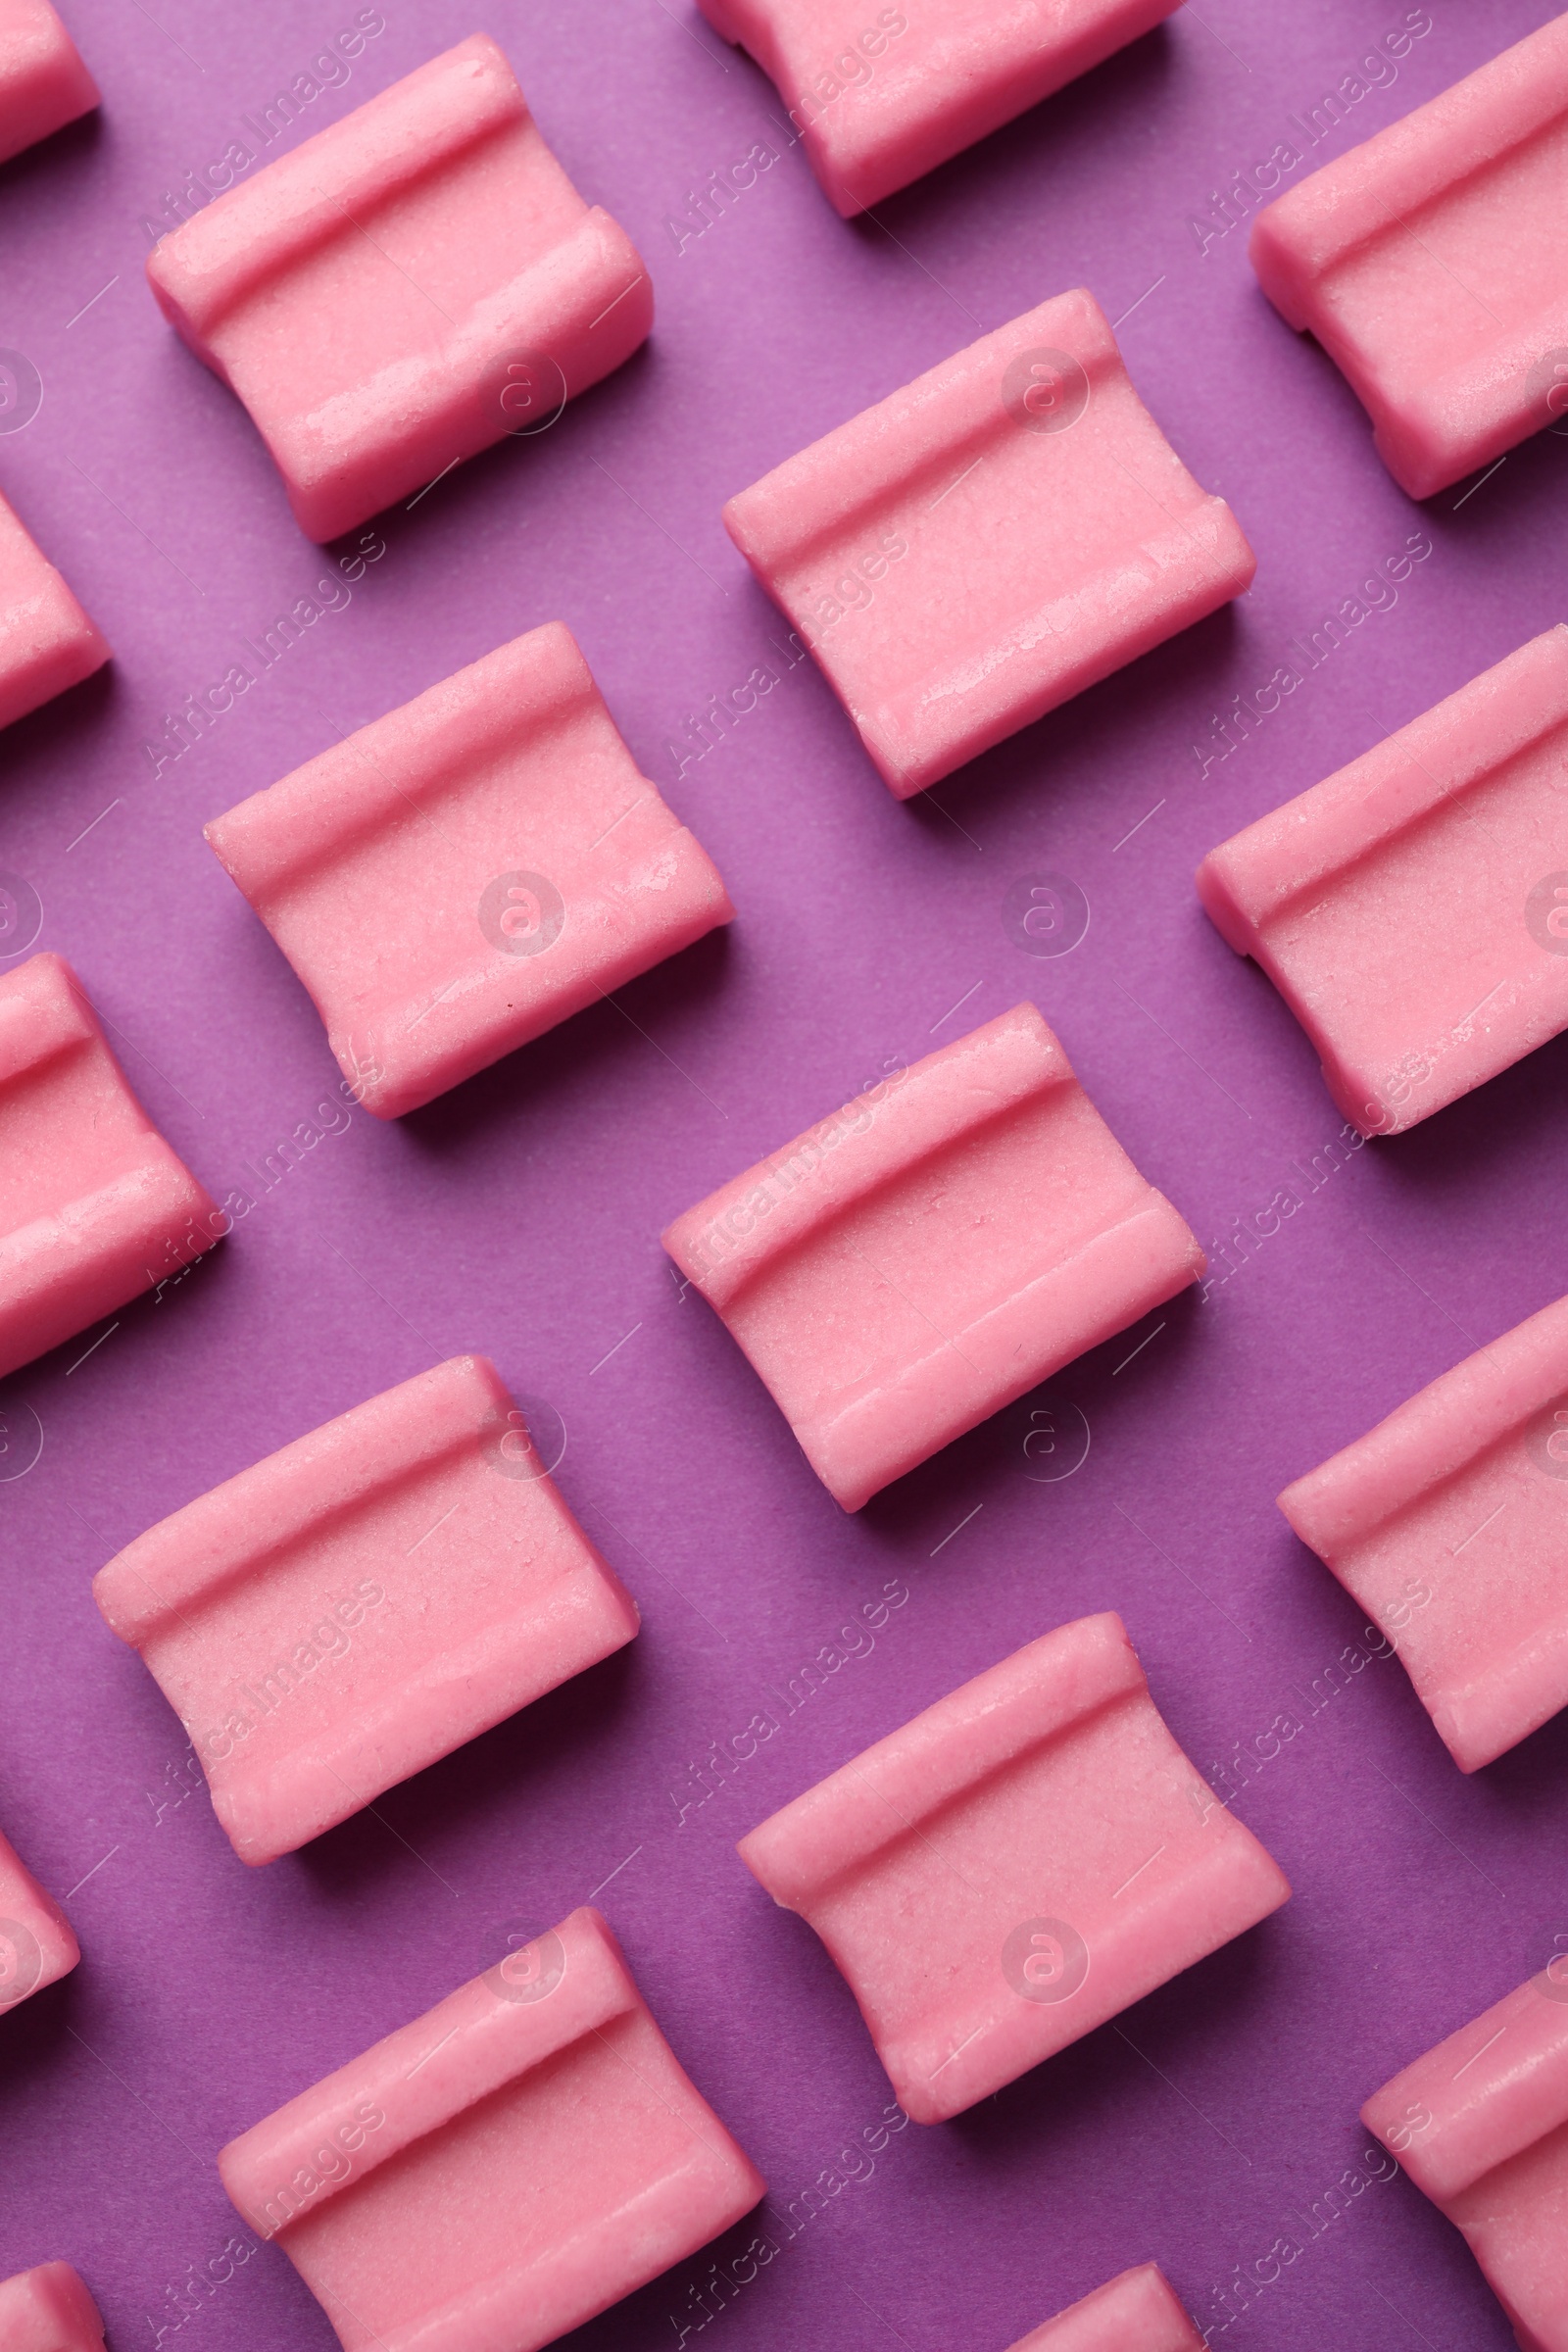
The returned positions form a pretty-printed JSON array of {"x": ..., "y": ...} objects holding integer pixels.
[
  {"x": 1449, "y": 1523},
  {"x": 496, "y": 2173},
  {"x": 94, "y": 1207},
  {"x": 982, "y": 545},
  {"x": 1412, "y": 909},
  {"x": 47, "y": 643},
  {"x": 1481, "y": 2125},
  {"x": 405, "y": 289},
  {"x": 922, "y": 1257},
  {"x": 48, "y": 2309},
  {"x": 363, "y": 1602},
  {"x": 884, "y": 93},
  {"x": 463, "y": 874},
  {"x": 1024, "y": 1860},
  {"x": 1430, "y": 264},
  {"x": 37, "y": 1944},
  {"x": 43, "y": 82},
  {"x": 1135, "y": 2312}
]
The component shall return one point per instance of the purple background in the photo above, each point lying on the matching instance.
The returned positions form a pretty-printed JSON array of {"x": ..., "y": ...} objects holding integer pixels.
[{"x": 520, "y": 1215}]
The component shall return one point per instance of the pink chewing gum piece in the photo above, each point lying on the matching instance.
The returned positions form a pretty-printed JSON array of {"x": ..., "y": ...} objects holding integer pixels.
[
  {"x": 43, "y": 82},
  {"x": 986, "y": 543},
  {"x": 1021, "y": 1862},
  {"x": 1449, "y": 1523},
  {"x": 461, "y": 876},
  {"x": 47, "y": 643},
  {"x": 363, "y": 1602},
  {"x": 1136, "y": 2311},
  {"x": 927, "y": 1253},
  {"x": 1412, "y": 909},
  {"x": 1480, "y": 2125},
  {"x": 94, "y": 1207},
  {"x": 405, "y": 289},
  {"x": 1429, "y": 264},
  {"x": 881, "y": 95},
  {"x": 500, "y": 2170},
  {"x": 49, "y": 2310},
  {"x": 36, "y": 1948}
]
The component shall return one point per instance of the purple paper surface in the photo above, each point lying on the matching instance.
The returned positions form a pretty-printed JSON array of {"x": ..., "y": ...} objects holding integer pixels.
[{"x": 520, "y": 1215}]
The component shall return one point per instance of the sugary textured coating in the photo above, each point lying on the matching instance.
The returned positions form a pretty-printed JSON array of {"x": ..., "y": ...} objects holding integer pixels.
[
  {"x": 503, "y": 2169},
  {"x": 1481, "y": 2125},
  {"x": 405, "y": 289},
  {"x": 1449, "y": 1523},
  {"x": 36, "y": 1947},
  {"x": 1021, "y": 1862},
  {"x": 1412, "y": 909},
  {"x": 43, "y": 82},
  {"x": 1136, "y": 2311},
  {"x": 464, "y": 873},
  {"x": 988, "y": 542},
  {"x": 363, "y": 1602},
  {"x": 922, "y": 1257},
  {"x": 49, "y": 2310},
  {"x": 47, "y": 643},
  {"x": 881, "y": 94},
  {"x": 94, "y": 1207},
  {"x": 1429, "y": 265}
]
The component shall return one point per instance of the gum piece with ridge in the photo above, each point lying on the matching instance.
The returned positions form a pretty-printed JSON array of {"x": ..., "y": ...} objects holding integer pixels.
[
  {"x": 981, "y": 546},
  {"x": 36, "y": 1943},
  {"x": 1136, "y": 2311},
  {"x": 94, "y": 1207},
  {"x": 1429, "y": 263},
  {"x": 456, "y": 878},
  {"x": 1449, "y": 1523},
  {"x": 47, "y": 643},
  {"x": 1024, "y": 1860},
  {"x": 363, "y": 1602},
  {"x": 1412, "y": 908},
  {"x": 881, "y": 95},
  {"x": 43, "y": 82},
  {"x": 918, "y": 1260},
  {"x": 405, "y": 289},
  {"x": 49, "y": 2310},
  {"x": 1480, "y": 2125},
  {"x": 498, "y": 2171}
]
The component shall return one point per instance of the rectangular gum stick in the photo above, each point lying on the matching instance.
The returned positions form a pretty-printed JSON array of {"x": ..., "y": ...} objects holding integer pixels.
[
  {"x": 1480, "y": 2125},
  {"x": 363, "y": 1602},
  {"x": 405, "y": 289},
  {"x": 503, "y": 2169},
  {"x": 47, "y": 642},
  {"x": 1136, "y": 2311},
  {"x": 1412, "y": 908},
  {"x": 1449, "y": 1523},
  {"x": 926, "y": 1254},
  {"x": 49, "y": 2310},
  {"x": 1429, "y": 264},
  {"x": 987, "y": 540},
  {"x": 1022, "y": 1861}
]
